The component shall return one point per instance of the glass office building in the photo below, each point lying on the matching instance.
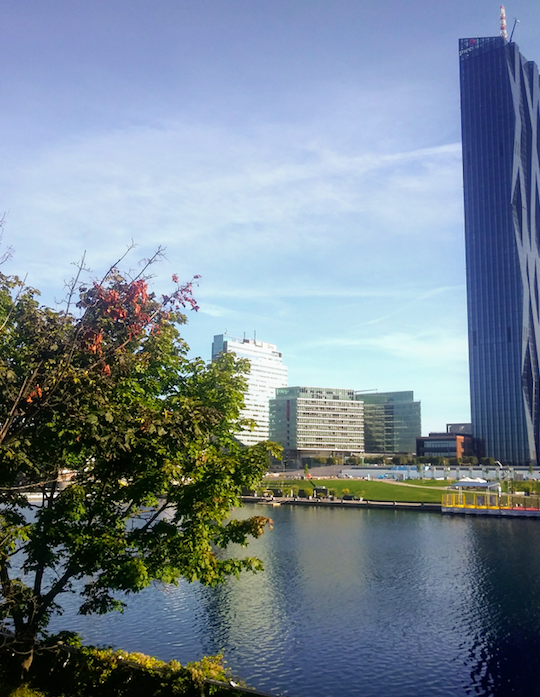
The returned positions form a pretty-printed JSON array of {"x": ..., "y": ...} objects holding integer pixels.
[
  {"x": 392, "y": 421},
  {"x": 500, "y": 125}
]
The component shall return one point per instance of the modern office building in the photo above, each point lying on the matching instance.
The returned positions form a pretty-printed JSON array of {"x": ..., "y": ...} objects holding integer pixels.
[
  {"x": 463, "y": 428},
  {"x": 266, "y": 374},
  {"x": 500, "y": 115},
  {"x": 392, "y": 421},
  {"x": 446, "y": 445},
  {"x": 313, "y": 421}
]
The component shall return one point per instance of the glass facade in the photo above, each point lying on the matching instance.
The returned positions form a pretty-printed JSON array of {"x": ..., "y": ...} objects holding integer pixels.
[
  {"x": 392, "y": 421},
  {"x": 445, "y": 445},
  {"x": 500, "y": 117}
]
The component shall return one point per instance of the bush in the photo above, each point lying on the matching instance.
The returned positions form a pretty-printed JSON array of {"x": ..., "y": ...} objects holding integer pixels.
[
  {"x": 305, "y": 493},
  {"x": 64, "y": 670}
]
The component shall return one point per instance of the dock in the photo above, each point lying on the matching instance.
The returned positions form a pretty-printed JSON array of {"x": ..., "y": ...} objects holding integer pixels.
[{"x": 494, "y": 504}]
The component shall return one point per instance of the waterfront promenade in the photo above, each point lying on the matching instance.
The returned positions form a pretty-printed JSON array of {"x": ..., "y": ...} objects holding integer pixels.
[{"x": 342, "y": 503}]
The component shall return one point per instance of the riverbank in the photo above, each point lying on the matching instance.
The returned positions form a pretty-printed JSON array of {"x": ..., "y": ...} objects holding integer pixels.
[
  {"x": 369, "y": 490},
  {"x": 323, "y": 503}
]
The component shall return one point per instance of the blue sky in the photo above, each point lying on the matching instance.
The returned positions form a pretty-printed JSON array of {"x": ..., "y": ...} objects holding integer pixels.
[{"x": 302, "y": 156}]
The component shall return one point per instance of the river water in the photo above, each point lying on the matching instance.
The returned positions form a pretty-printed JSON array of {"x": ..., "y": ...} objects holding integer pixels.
[{"x": 357, "y": 602}]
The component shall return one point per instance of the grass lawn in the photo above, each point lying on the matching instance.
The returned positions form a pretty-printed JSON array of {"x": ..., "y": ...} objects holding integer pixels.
[
  {"x": 374, "y": 490},
  {"x": 428, "y": 482}
]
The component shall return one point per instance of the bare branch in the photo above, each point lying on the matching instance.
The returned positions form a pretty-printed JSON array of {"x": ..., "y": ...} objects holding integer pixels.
[
  {"x": 158, "y": 254},
  {"x": 75, "y": 282},
  {"x": 9, "y": 251}
]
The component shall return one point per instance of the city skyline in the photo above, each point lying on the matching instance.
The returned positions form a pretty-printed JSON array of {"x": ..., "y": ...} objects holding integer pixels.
[{"x": 304, "y": 158}]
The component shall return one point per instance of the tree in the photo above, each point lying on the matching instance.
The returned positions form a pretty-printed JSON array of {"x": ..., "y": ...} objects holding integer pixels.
[{"x": 102, "y": 392}]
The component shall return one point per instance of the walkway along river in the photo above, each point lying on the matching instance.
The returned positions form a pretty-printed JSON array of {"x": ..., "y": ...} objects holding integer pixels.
[{"x": 361, "y": 602}]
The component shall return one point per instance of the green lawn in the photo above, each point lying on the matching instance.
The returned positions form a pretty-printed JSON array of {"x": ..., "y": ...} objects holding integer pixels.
[
  {"x": 373, "y": 490},
  {"x": 428, "y": 482}
]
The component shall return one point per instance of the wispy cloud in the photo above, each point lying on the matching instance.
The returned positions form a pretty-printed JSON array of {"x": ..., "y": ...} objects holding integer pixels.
[
  {"x": 421, "y": 347},
  {"x": 296, "y": 231},
  {"x": 205, "y": 189}
]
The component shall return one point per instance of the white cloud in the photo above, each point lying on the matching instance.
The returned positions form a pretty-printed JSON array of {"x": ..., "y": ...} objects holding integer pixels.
[
  {"x": 214, "y": 193},
  {"x": 294, "y": 236},
  {"x": 437, "y": 346}
]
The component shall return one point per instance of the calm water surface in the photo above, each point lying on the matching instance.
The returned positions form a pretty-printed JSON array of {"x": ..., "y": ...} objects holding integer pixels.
[{"x": 358, "y": 602}]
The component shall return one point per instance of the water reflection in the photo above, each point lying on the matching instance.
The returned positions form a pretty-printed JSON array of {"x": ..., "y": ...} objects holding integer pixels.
[
  {"x": 504, "y": 619},
  {"x": 359, "y": 602}
]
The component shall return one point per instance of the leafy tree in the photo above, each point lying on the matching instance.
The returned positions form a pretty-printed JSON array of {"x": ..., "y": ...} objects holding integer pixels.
[
  {"x": 102, "y": 393},
  {"x": 373, "y": 460}
]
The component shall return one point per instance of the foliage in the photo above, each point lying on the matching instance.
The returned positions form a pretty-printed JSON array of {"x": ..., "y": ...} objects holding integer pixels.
[
  {"x": 370, "y": 460},
  {"x": 59, "y": 670},
  {"x": 400, "y": 460},
  {"x": 102, "y": 393},
  {"x": 20, "y": 691}
]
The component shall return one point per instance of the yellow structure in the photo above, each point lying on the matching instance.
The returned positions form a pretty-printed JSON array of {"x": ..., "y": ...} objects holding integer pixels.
[{"x": 489, "y": 503}]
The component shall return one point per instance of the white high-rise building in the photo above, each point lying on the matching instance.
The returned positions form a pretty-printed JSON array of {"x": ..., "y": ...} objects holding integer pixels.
[{"x": 266, "y": 374}]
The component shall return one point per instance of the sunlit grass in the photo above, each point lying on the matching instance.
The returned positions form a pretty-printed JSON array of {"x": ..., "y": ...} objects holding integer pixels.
[{"x": 371, "y": 490}]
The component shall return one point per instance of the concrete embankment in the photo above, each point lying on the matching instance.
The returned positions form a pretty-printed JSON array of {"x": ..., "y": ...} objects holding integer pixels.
[{"x": 318, "y": 503}]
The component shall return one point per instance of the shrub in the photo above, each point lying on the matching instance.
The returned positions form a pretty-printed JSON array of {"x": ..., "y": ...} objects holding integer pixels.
[{"x": 63, "y": 670}]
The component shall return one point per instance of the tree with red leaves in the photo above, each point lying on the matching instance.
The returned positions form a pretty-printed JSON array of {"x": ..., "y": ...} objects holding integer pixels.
[{"x": 102, "y": 395}]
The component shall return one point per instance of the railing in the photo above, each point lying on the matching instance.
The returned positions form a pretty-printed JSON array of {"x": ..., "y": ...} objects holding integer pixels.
[{"x": 490, "y": 501}]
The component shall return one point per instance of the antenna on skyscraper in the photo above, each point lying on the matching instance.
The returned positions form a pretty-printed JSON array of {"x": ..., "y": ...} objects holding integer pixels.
[
  {"x": 516, "y": 21},
  {"x": 503, "y": 24}
]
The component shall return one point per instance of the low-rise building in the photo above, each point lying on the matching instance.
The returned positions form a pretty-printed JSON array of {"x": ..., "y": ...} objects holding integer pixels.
[
  {"x": 465, "y": 428},
  {"x": 446, "y": 445}
]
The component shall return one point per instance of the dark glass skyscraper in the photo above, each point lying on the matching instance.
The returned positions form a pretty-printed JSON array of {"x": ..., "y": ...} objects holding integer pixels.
[{"x": 500, "y": 119}]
